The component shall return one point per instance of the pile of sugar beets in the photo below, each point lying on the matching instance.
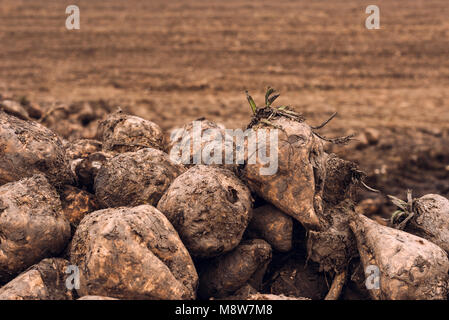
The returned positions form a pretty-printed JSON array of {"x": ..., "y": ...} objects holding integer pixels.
[{"x": 124, "y": 221}]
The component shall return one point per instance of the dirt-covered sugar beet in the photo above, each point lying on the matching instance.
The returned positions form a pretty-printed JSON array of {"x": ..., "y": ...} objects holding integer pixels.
[
  {"x": 77, "y": 203},
  {"x": 28, "y": 148},
  {"x": 134, "y": 178},
  {"x": 227, "y": 273},
  {"x": 274, "y": 226},
  {"x": 340, "y": 181},
  {"x": 296, "y": 186},
  {"x": 132, "y": 253},
  {"x": 431, "y": 220},
  {"x": 32, "y": 225},
  {"x": 82, "y": 148},
  {"x": 86, "y": 158},
  {"x": 297, "y": 277},
  {"x": 410, "y": 268},
  {"x": 334, "y": 246},
  {"x": 121, "y": 132},
  {"x": 79, "y": 120},
  {"x": 96, "y": 298},
  {"x": 43, "y": 281},
  {"x": 202, "y": 142},
  {"x": 209, "y": 207}
]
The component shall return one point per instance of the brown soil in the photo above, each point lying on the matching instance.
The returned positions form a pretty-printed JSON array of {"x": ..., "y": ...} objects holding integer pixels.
[{"x": 172, "y": 62}]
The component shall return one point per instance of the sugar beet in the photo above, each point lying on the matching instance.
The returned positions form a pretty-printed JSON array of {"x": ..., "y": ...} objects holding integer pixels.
[
  {"x": 28, "y": 148},
  {"x": 135, "y": 178},
  {"x": 132, "y": 253},
  {"x": 32, "y": 225}
]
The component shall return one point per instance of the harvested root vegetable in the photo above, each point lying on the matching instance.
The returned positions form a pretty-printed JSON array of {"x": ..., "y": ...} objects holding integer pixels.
[
  {"x": 132, "y": 253},
  {"x": 77, "y": 121},
  {"x": 409, "y": 267},
  {"x": 86, "y": 158},
  {"x": 86, "y": 169},
  {"x": 32, "y": 225},
  {"x": 431, "y": 220},
  {"x": 227, "y": 273},
  {"x": 298, "y": 278},
  {"x": 202, "y": 142},
  {"x": 274, "y": 226},
  {"x": 135, "y": 178},
  {"x": 121, "y": 132},
  {"x": 334, "y": 246},
  {"x": 14, "y": 108},
  {"x": 341, "y": 179},
  {"x": 296, "y": 187},
  {"x": 261, "y": 296},
  {"x": 27, "y": 148},
  {"x": 210, "y": 208},
  {"x": 43, "y": 281},
  {"x": 76, "y": 204}
]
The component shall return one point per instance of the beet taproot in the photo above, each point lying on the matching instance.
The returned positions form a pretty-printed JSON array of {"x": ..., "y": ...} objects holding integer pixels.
[
  {"x": 341, "y": 180},
  {"x": 132, "y": 253},
  {"x": 82, "y": 148},
  {"x": 296, "y": 186},
  {"x": 78, "y": 120},
  {"x": 334, "y": 246},
  {"x": 86, "y": 158},
  {"x": 86, "y": 169},
  {"x": 209, "y": 207},
  {"x": 135, "y": 178},
  {"x": 431, "y": 220},
  {"x": 298, "y": 278}
]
